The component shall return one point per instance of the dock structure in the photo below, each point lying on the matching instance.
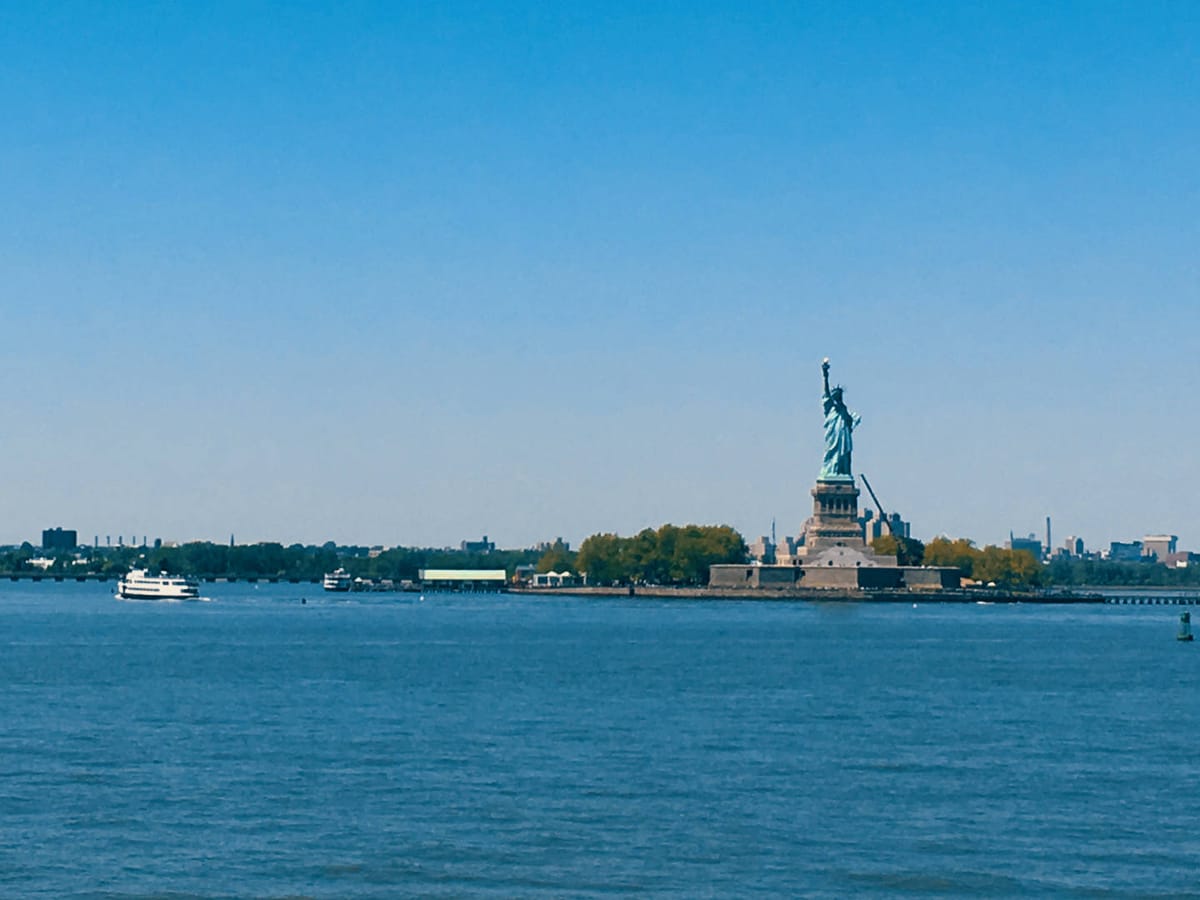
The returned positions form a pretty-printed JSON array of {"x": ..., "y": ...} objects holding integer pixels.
[
  {"x": 113, "y": 576},
  {"x": 57, "y": 576},
  {"x": 1153, "y": 600},
  {"x": 822, "y": 595}
]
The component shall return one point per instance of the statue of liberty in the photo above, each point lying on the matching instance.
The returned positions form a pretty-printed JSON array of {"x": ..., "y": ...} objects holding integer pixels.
[{"x": 839, "y": 425}]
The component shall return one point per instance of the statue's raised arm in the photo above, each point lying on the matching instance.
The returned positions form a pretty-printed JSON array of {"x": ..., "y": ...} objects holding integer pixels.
[{"x": 839, "y": 427}]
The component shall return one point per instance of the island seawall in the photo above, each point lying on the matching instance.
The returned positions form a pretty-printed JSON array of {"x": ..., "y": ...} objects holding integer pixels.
[{"x": 662, "y": 592}]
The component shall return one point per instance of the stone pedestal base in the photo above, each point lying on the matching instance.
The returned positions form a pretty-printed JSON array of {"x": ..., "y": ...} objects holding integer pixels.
[{"x": 835, "y": 517}]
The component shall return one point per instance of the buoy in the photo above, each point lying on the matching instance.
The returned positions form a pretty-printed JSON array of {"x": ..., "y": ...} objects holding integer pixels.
[{"x": 1185, "y": 626}]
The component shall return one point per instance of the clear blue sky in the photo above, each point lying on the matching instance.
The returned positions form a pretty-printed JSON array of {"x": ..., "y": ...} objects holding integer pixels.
[{"x": 411, "y": 273}]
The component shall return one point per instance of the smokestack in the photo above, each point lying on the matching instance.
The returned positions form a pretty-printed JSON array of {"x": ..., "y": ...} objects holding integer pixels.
[{"x": 1048, "y": 544}]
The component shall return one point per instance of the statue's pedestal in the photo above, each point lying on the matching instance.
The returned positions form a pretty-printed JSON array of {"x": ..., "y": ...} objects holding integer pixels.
[{"x": 835, "y": 516}]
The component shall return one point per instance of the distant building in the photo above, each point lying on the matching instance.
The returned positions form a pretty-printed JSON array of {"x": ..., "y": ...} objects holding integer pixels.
[
  {"x": 874, "y": 526},
  {"x": 1182, "y": 559},
  {"x": 1073, "y": 546},
  {"x": 59, "y": 539},
  {"x": 787, "y": 551},
  {"x": 1031, "y": 544},
  {"x": 1159, "y": 546},
  {"x": 484, "y": 546},
  {"x": 546, "y": 546},
  {"x": 1119, "y": 551},
  {"x": 762, "y": 550},
  {"x": 554, "y": 579}
]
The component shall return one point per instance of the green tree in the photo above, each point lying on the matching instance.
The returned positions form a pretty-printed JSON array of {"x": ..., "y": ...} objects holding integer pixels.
[
  {"x": 1011, "y": 568},
  {"x": 712, "y": 545},
  {"x": 599, "y": 557},
  {"x": 908, "y": 551},
  {"x": 670, "y": 555},
  {"x": 23, "y": 556},
  {"x": 557, "y": 559},
  {"x": 165, "y": 559},
  {"x": 204, "y": 558},
  {"x": 642, "y": 556},
  {"x": 1024, "y": 568},
  {"x": 960, "y": 554}
]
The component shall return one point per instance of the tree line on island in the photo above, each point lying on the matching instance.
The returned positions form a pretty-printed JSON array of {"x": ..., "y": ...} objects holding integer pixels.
[
  {"x": 1020, "y": 568},
  {"x": 265, "y": 560},
  {"x": 998, "y": 565},
  {"x": 668, "y": 555}
]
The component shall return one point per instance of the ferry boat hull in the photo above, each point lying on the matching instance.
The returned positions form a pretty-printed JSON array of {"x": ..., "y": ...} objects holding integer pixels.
[
  {"x": 338, "y": 581},
  {"x": 141, "y": 585}
]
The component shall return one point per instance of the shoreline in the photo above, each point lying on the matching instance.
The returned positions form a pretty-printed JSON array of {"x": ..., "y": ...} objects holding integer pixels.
[
  {"x": 817, "y": 594},
  {"x": 1137, "y": 595}
]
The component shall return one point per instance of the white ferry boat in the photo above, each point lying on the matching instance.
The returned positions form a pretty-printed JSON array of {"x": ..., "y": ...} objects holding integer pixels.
[
  {"x": 338, "y": 580},
  {"x": 139, "y": 584}
]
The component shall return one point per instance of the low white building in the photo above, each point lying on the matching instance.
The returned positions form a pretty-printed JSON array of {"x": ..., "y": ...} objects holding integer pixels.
[
  {"x": 554, "y": 579},
  {"x": 463, "y": 579}
]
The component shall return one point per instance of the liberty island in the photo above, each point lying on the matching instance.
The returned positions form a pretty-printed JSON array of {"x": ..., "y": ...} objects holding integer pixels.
[{"x": 833, "y": 554}]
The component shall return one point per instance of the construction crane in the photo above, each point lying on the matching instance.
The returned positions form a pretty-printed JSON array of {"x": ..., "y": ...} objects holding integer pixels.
[{"x": 878, "y": 505}]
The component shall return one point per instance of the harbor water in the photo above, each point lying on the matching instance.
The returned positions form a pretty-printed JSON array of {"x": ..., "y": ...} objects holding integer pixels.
[{"x": 510, "y": 746}]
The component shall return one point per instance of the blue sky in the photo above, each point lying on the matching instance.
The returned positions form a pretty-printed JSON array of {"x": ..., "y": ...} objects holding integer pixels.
[{"x": 386, "y": 273}]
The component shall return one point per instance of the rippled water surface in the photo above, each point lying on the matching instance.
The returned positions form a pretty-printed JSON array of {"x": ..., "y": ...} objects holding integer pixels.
[{"x": 254, "y": 746}]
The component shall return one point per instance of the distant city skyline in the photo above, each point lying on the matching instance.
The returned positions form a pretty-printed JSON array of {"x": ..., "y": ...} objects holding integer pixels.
[
  {"x": 414, "y": 275},
  {"x": 1158, "y": 546}
]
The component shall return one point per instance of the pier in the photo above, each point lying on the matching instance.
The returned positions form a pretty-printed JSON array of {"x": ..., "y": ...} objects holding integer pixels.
[
  {"x": 1153, "y": 600},
  {"x": 57, "y": 576},
  {"x": 113, "y": 576},
  {"x": 820, "y": 595}
]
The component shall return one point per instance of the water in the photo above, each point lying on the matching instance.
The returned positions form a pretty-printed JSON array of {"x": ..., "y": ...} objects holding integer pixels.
[{"x": 512, "y": 746}]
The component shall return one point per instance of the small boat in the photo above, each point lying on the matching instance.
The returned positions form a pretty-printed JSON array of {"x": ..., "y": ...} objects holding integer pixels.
[
  {"x": 139, "y": 584},
  {"x": 337, "y": 580},
  {"x": 1185, "y": 626}
]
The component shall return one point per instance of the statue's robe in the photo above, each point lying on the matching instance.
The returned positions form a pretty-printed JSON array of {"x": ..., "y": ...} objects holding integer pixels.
[{"x": 839, "y": 424}]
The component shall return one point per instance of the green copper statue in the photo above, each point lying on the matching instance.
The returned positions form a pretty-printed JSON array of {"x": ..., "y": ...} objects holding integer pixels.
[{"x": 839, "y": 425}]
